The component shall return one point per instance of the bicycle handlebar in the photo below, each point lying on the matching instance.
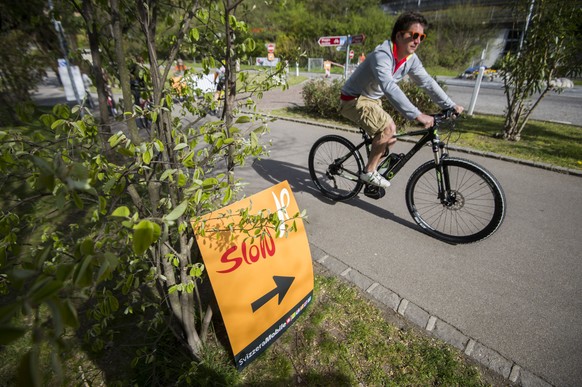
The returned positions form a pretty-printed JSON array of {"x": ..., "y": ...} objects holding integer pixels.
[{"x": 446, "y": 114}]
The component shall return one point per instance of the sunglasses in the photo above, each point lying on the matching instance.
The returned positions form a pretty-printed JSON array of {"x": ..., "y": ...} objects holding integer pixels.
[{"x": 416, "y": 35}]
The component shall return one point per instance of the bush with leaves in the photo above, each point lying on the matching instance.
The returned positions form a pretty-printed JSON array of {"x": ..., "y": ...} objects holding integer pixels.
[
  {"x": 321, "y": 98},
  {"x": 109, "y": 218}
]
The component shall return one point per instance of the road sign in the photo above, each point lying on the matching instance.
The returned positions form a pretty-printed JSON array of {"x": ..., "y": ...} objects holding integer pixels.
[
  {"x": 270, "y": 47},
  {"x": 351, "y": 54},
  {"x": 262, "y": 283},
  {"x": 327, "y": 41},
  {"x": 358, "y": 39}
]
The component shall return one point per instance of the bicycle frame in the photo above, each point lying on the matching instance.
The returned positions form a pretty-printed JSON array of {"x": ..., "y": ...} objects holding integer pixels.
[{"x": 430, "y": 135}]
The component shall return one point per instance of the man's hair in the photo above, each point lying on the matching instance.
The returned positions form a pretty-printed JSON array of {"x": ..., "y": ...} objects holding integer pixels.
[{"x": 406, "y": 20}]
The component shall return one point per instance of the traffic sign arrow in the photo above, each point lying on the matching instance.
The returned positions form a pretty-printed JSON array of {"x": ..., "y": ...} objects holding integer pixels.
[
  {"x": 331, "y": 40},
  {"x": 282, "y": 287},
  {"x": 358, "y": 39}
]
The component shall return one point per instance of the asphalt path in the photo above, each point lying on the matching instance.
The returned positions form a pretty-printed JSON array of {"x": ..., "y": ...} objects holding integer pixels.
[
  {"x": 516, "y": 293},
  {"x": 563, "y": 107}
]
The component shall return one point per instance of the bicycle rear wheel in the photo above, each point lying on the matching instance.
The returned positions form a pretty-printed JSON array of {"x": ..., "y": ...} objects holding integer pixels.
[
  {"x": 473, "y": 206},
  {"x": 335, "y": 166}
]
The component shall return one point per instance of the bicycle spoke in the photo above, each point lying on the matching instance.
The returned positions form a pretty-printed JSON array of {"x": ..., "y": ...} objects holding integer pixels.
[
  {"x": 470, "y": 206},
  {"x": 337, "y": 180}
]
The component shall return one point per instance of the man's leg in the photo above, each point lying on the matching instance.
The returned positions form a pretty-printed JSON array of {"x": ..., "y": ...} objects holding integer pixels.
[{"x": 382, "y": 141}]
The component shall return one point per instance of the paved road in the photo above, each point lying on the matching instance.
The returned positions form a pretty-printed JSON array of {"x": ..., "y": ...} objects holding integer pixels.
[
  {"x": 513, "y": 299},
  {"x": 564, "y": 107}
]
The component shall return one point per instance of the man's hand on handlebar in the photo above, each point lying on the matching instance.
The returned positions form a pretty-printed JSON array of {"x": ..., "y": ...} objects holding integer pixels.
[
  {"x": 425, "y": 120},
  {"x": 458, "y": 110}
]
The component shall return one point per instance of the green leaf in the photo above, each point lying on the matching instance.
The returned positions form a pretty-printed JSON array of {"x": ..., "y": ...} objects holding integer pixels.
[
  {"x": 209, "y": 182},
  {"x": 145, "y": 233},
  {"x": 83, "y": 276},
  {"x": 69, "y": 314},
  {"x": 45, "y": 289},
  {"x": 148, "y": 155},
  {"x": 194, "y": 34},
  {"x": 167, "y": 173},
  {"x": 29, "y": 369},
  {"x": 55, "y": 307},
  {"x": 182, "y": 179},
  {"x": 177, "y": 212},
  {"x": 77, "y": 200},
  {"x": 87, "y": 247},
  {"x": 58, "y": 123},
  {"x": 243, "y": 120},
  {"x": 122, "y": 212}
]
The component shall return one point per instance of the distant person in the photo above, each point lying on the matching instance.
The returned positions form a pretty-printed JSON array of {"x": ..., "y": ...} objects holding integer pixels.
[
  {"x": 219, "y": 82},
  {"x": 87, "y": 82},
  {"x": 327, "y": 68},
  {"x": 136, "y": 83},
  {"x": 109, "y": 94},
  {"x": 378, "y": 76},
  {"x": 361, "y": 58},
  {"x": 180, "y": 66}
]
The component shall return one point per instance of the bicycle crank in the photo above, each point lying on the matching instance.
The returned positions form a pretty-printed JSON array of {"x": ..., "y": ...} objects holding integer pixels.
[{"x": 374, "y": 192}]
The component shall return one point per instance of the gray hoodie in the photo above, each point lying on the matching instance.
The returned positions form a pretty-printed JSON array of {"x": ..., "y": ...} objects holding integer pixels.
[{"x": 375, "y": 77}]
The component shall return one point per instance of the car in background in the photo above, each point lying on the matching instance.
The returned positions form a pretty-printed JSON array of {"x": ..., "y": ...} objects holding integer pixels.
[{"x": 472, "y": 73}]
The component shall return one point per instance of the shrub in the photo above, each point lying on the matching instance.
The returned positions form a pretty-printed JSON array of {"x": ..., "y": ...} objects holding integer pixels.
[
  {"x": 418, "y": 98},
  {"x": 321, "y": 98}
]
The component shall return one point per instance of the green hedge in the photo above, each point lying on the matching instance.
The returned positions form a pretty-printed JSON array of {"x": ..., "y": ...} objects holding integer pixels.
[{"x": 321, "y": 97}]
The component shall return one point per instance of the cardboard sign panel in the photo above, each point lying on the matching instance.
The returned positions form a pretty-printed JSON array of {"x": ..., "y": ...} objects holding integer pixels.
[{"x": 263, "y": 283}]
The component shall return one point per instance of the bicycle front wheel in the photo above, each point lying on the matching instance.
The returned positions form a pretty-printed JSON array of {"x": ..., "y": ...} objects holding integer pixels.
[
  {"x": 471, "y": 208},
  {"x": 335, "y": 166}
]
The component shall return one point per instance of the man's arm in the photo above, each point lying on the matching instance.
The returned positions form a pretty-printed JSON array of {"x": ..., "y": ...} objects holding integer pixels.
[{"x": 420, "y": 76}]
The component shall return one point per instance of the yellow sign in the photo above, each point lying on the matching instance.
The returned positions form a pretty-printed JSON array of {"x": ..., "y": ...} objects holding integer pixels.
[{"x": 261, "y": 284}]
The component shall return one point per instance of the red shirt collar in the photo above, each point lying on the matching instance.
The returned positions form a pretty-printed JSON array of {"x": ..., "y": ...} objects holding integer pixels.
[{"x": 399, "y": 62}]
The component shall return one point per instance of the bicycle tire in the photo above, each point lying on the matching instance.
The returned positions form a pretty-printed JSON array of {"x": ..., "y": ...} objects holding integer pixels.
[
  {"x": 476, "y": 207},
  {"x": 336, "y": 181}
]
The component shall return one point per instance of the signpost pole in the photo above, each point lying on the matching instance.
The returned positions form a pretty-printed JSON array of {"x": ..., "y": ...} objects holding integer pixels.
[{"x": 348, "y": 41}]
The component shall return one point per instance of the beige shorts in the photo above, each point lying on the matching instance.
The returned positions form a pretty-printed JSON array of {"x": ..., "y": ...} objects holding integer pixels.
[{"x": 367, "y": 113}]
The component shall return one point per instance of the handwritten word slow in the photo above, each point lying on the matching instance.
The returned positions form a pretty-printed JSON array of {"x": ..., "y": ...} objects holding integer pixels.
[{"x": 249, "y": 253}]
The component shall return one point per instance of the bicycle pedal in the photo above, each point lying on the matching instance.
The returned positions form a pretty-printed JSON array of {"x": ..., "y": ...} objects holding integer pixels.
[{"x": 374, "y": 192}]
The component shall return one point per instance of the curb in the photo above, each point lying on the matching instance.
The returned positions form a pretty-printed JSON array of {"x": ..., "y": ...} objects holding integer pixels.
[
  {"x": 549, "y": 167},
  {"x": 433, "y": 325}
]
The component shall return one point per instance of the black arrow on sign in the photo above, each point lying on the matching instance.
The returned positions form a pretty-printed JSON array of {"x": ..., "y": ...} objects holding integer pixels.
[{"x": 283, "y": 285}]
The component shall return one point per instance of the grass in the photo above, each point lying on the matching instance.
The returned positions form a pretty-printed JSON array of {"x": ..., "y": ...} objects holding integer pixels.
[
  {"x": 342, "y": 339},
  {"x": 541, "y": 141},
  {"x": 443, "y": 71}
]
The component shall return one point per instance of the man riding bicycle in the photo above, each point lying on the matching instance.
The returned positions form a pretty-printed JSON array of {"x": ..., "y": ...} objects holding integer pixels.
[{"x": 378, "y": 76}]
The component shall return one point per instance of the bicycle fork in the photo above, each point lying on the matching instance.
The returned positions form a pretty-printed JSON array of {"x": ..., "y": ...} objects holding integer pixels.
[{"x": 442, "y": 175}]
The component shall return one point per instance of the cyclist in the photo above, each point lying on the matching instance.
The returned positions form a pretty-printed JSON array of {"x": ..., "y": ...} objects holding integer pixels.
[{"x": 377, "y": 76}]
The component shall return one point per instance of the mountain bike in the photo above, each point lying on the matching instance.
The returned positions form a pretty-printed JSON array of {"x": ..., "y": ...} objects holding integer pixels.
[{"x": 452, "y": 199}]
